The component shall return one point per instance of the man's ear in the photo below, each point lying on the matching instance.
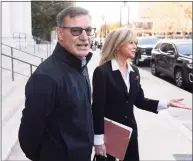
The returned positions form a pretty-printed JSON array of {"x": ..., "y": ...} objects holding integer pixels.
[{"x": 59, "y": 32}]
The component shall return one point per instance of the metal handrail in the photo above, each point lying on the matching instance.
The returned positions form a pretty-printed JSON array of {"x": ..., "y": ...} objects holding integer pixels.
[
  {"x": 42, "y": 59},
  {"x": 15, "y": 72},
  {"x": 21, "y": 35},
  {"x": 14, "y": 58},
  {"x": 12, "y": 67}
]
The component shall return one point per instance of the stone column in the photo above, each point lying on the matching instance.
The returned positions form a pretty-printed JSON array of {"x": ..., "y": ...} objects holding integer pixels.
[
  {"x": 27, "y": 18},
  {"x": 6, "y": 19},
  {"x": 16, "y": 18},
  {"x": 21, "y": 18}
]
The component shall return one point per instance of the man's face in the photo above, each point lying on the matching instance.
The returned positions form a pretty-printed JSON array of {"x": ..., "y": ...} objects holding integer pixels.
[{"x": 73, "y": 40}]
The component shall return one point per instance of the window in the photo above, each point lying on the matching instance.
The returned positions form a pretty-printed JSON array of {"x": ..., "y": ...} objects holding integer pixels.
[
  {"x": 157, "y": 46},
  {"x": 163, "y": 47},
  {"x": 185, "y": 49},
  {"x": 171, "y": 48},
  {"x": 167, "y": 47}
]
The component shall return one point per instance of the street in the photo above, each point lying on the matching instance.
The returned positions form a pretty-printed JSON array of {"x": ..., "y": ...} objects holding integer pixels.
[
  {"x": 165, "y": 136},
  {"x": 166, "y": 78}
]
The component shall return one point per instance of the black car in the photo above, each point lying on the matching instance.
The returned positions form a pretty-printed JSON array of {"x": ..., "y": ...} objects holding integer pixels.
[
  {"x": 174, "y": 59},
  {"x": 144, "y": 47}
]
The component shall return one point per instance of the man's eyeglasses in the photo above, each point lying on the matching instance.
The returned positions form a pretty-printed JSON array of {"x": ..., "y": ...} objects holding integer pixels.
[{"x": 77, "y": 31}]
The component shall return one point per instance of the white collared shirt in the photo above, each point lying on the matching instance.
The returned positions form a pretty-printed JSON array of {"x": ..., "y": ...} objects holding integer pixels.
[
  {"x": 115, "y": 66},
  {"x": 99, "y": 139}
]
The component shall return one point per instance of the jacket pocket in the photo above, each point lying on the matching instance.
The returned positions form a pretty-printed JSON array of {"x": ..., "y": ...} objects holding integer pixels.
[{"x": 52, "y": 149}]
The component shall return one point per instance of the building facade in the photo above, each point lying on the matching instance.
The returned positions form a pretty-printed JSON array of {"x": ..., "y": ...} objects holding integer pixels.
[{"x": 16, "y": 18}]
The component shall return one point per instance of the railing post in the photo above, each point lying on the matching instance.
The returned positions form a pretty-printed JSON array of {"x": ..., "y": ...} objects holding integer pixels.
[
  {"x": 25, "y": 40},
  {"x": 12, "y": 67},
  {"x": 38, "y": 47},
  {"x": 47, "y": 49},
  {"x": 19, "y": 42},
  {"x": 50, "y": 48},
  {"x": 34, "y": 48},
  {"x": 30, "y": 69}
]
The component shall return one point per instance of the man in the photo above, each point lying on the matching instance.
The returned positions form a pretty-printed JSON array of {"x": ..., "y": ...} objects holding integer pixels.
[{"x": 57, "y": 120}]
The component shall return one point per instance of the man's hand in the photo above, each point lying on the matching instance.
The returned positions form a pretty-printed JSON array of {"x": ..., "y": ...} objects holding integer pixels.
[
  {"x": 176, "y": 103},
  {"x": 100, "y": 150}
]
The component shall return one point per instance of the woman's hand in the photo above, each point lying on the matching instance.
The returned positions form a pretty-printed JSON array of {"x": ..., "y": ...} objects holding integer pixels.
[
  {"x": 177, "y": 104},
  {"x": 100, "y": 150}
]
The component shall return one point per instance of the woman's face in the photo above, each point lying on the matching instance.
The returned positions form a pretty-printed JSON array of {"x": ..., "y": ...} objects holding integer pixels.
[{"x": 128, "y": 50}]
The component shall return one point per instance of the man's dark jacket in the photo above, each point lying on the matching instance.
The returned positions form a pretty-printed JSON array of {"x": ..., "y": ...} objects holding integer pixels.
[{"x": 57, "y": 123}]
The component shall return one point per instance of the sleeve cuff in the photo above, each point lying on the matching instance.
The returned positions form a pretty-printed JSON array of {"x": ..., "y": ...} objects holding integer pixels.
[
  {"x": 98, "y": 139},
  {"x": 163, "y": 104}
]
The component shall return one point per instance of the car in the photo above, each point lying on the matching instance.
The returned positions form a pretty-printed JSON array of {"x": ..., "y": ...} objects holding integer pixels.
[
  {"x": 144, "y": 47},
  {"x": 174, "y": 59}
]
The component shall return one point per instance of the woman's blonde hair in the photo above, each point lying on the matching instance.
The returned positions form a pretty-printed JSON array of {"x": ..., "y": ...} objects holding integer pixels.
[{"x": 114, "y": 40}]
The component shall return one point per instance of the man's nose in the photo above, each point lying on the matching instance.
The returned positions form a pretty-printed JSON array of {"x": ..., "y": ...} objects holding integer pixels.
[{"x": 83, "y": 35}]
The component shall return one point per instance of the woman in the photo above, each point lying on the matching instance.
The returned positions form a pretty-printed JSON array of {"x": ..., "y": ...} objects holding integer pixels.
[{"x": 116, "y": 88}]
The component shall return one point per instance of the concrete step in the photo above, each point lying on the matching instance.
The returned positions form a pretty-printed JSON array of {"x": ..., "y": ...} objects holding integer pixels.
[
  {"x": 10, "y": 133},
  {"x": 22, "y": 56},
  {"x": 29, "y": 49},
  {"x": 8, "y": 86},
  {"x": 42, "y": 50},
  {"x": 12, "y": 106},
  {"x": 17, "y": 154},
  {"x": 13, "y": 99},
  {"x": 13, "y": 95},
  {"x": 18, "y": 66}
]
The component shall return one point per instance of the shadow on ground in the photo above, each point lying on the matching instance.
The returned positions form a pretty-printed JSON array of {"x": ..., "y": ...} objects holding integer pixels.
[{"x": 183, "y": 157}]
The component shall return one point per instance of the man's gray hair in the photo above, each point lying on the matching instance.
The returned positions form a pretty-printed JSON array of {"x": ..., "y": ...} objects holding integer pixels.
[{"x": 71, "y": 11}]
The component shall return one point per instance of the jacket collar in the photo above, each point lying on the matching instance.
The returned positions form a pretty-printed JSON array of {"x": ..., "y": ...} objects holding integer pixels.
[
  {"x": 67, "y": 57},
  {"x": 115, "y": 66}
]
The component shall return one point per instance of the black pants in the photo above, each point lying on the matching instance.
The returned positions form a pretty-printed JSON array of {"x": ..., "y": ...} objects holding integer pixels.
[{"x": 132, "y": 153}]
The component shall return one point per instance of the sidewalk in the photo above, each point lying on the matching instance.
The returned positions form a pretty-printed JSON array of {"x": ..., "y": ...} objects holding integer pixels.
[
  {"x": 161, "y": 137},
  {"x": 158, "y": 140}
]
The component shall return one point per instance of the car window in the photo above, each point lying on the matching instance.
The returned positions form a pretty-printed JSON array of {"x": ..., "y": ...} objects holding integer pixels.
[
  {"x": 165, "y": 47},
  {"x": 157, "y": 46},
  {"x": 170, "y": 47},
  {"x": 185, "y": 49}
]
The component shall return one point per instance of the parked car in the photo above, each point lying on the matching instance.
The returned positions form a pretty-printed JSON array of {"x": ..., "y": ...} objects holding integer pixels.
[
  {"x": 144, "y": 47},
  {"x": 174, "y": 59}
]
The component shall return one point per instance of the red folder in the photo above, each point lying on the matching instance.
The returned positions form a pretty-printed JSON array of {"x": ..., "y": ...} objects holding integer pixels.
[{"x": 116, "y": 138}]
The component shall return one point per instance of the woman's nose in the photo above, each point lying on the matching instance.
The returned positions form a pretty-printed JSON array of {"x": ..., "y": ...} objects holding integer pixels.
[{"x": 135, "y": 46}]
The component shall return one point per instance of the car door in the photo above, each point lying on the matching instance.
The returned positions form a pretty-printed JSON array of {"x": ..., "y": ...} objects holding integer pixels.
[
  {"x": 156, "y": 55},
  {"x": 169, "y": 59},
  {"x": 162, "y": 58}
]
